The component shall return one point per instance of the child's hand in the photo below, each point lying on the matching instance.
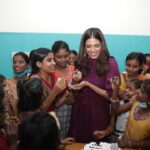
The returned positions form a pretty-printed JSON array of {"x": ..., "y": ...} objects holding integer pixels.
[
  {"x": 69, "y": 98},
  {"x": 60, "y": 85},
  {"x": 68, "y": 140},
  {"x": 115, "y": 82},
  {"x": 123, "y": 142},
  {"x": 76, "y": 76}
]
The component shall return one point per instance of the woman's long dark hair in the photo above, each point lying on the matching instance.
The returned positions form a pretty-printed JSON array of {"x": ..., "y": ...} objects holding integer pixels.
[{"x": 102, "y": 61}]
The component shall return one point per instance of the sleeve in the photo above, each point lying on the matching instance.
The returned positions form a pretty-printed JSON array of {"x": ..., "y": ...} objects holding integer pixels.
[
  {"x": 3, "y": 143},
  {"x": 112, "y": 72},
  {"x": 11, "y": 96}
]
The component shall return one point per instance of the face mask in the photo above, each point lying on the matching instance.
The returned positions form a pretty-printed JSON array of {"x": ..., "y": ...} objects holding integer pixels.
[
  {"x": 142, "y": 105},
  {"x": 25, "y": 72}
]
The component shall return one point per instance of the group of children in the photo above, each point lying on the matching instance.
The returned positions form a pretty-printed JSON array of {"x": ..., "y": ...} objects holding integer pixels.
[{"x": 75, "y": 92}]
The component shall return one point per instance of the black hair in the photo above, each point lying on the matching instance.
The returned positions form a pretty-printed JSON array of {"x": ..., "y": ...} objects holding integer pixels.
[
  {"x": 146, "y": 87},
  {"x": 30, "y": 94},
  {"x": 137, "y": 56},
  {"x": 59, "y": 45},
  {"x": 137, "y": 83},
  {"x": 147, "y": 55},
  {"x": 102, "y": 65},
  {"x": 38, "y": 132},
  {"x": 23, "y": 55},
  {"x": 73, "y": 52},
  {"x": 38, "y": 55}
]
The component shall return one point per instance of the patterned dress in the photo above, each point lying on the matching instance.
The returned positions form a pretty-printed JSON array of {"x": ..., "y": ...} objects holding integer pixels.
[
  {"x": 64, "y": 111},
  {"x": 138, "y": 126},
  {"x": 91, "y": 111},
  {"x": 47, "y": 88}
]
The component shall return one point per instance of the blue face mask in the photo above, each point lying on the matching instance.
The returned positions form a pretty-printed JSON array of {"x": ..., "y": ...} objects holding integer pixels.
[
  {"x": 25, "y": 72},
  {"x": 142, "y": 105}
]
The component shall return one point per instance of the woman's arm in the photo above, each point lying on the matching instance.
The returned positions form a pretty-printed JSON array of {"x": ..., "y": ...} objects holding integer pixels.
[
  {"x": 96, "y": 89},
  {"x": 100, "y": 134}
]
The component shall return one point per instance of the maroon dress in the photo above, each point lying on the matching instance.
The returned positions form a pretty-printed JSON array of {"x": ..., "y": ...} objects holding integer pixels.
[{"x": 91, "y": 111}]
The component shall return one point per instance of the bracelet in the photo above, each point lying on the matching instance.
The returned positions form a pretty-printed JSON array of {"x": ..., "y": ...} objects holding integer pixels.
[{"x": 114, "y": 101}]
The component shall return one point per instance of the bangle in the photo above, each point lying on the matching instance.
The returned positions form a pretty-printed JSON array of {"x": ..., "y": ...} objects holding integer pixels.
[{"x": 114, "y": 101}]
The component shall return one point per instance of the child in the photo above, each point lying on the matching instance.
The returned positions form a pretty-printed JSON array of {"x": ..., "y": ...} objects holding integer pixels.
[
  {"x": 124, "y": 107},
  {"x": 123, "y": 91},
  {"x": 137, "y": 133},
  {"x": 43, "y": 67},
  {"x": 63, "y": 70},
  {"x": 30, "y": 93}
]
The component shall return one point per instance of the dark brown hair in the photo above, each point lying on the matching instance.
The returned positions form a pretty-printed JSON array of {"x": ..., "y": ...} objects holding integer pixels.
[{"x": 102, "y": 65}]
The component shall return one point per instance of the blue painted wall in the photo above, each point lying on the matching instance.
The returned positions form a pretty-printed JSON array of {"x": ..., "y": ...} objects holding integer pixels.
[{"x": 118, "y": 45}]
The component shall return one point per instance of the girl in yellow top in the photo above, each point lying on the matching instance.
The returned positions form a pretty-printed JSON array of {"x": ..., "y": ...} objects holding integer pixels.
[{"x": 137, "y": 133}]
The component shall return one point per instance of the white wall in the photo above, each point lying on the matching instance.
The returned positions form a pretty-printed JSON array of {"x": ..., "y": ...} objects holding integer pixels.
[{"x": 129, "y": 17}]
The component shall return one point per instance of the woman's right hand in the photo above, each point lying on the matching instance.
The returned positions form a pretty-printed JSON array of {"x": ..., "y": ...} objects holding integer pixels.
[{"x": 60, "y": 85}]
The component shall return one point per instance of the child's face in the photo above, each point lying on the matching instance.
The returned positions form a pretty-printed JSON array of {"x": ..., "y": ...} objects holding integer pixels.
[
  {"x": 147, "y": 58},
  {"x": 62, "y": 58},
  {"x": 48, "y": 64},
  {"x": 19, "y": 64},
  {"x": 142, "y": 96},
  {"x": 72, "y": 58},
  {"x": 132, "y": 67},
  {"x": 130, "y": 91}
]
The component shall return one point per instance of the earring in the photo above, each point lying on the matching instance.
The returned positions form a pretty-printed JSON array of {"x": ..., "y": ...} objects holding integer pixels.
[{"x": 85, "y": 55}]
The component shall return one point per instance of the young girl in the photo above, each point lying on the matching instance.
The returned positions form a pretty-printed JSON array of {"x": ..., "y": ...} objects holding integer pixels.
[
  {"x": 73, "y": 57},
  {"x": 30, "y": 92},
  {"x": 124, "y": 91},
  {"x": 20, "y": 67},
  {"x": 63, "y": 70},
  {"x": 137, "y": 133},
  {"x": 43, "y": 67},
  {"x": 124, "y": 106}
]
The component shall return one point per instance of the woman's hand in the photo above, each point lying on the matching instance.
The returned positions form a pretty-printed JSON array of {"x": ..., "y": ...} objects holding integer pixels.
[
  {"x": 79, "y": 86},
  {"x": 100, "y": 134},
  {"x": 68, "y": 140}
]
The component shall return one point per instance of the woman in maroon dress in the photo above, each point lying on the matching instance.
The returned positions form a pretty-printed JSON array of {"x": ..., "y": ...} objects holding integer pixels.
[{"x": 91, "y": 110}]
